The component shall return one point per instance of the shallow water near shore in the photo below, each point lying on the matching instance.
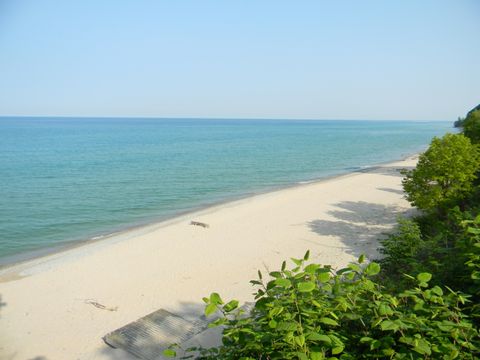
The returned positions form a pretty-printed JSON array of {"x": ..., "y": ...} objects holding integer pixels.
[{"x": 70, "y": 179}]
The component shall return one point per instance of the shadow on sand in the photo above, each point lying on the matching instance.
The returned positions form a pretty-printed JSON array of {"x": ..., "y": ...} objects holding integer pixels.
[
  {"x": 359, "y": 225},
  {"x": 387, "y": 170},
  {"x": 395, "y": 191}
]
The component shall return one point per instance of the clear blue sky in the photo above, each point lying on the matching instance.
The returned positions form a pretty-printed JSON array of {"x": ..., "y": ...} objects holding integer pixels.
[{"x": 315, "y": 59}]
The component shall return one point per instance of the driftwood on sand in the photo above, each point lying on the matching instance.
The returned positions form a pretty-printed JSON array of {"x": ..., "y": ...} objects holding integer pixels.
[{"x": 197, "y": 223}]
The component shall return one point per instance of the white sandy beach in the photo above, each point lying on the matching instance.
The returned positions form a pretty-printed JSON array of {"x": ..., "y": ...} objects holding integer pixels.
[{"x": 172, "y": 265}]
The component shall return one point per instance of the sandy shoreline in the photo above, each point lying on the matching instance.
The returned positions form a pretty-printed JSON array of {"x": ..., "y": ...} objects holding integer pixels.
[
  {"x": 172, "y": 264},
  {"x": 40, "y": 254}
]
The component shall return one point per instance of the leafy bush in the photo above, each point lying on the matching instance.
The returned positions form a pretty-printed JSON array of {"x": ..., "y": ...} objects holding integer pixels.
[
  {"x": 313, "y": 312},
  {"x": 428, "y": 243},
  {"x": 401, "y": 250},
  {"x": 473, "y": 228},
  {"x": 472, "y": 249},
  {"x": 444, "y": 174}
]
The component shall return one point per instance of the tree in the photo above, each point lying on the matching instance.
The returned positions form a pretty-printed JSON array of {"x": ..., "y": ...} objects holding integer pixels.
[
  {"x": 471, "y": 126},
  {"x": 459, "y": 122},
  {"x": 444, "y": 173}
]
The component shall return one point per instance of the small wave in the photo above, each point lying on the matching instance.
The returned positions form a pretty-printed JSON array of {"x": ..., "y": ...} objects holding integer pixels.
[
  {"x": 99, "y": 237},
  {"x": 306, "y": 182}
]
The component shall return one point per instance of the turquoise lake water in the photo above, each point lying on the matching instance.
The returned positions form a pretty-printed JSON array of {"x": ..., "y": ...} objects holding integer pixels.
[{"x": 66, "y": 179}]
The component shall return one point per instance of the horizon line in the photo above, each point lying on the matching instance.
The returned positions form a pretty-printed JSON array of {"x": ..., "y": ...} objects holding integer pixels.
[{"x": 210, "y": 118}]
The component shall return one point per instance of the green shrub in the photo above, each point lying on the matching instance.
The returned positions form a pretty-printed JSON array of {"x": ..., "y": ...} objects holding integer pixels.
[
  {"x": 444, "y": 175},
  {"x": 427, "y": 243},
  {"x": 472, "y": 250},
  {"x": 313, "y": 312},
  {"x": 401, "y": 250}
]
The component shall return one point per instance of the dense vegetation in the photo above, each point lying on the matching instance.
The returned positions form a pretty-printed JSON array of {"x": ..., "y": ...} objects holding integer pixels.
[
  {"x": 420, "y": 301},
  {"x": 461, "y": 121}
]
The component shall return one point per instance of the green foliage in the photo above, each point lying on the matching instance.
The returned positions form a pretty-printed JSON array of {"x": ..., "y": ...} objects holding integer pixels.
[
  {"x": 473, "y": 228},
  {"x": 313, "y": 312},
  {"x": 472, "y": 250},
  {"x": 401, "y": 249},
  {"x": 445, "y": 240},
  {"x": 444, "y": 174},
  {"x": 471, "y": 126},
  {"x": 428, "y": 243}
]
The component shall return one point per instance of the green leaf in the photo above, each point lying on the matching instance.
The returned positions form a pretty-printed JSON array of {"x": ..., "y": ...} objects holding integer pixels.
[
  {"x": 276, "y": 274},
  {"x": 328, "y": 321},
  {"x": 307, "y": 255},
  {"x": 275, "y": 311},
  {"x": 231, "y": 305},
  {"x": 300, "y": 340},
  {"x": 302, "y": 356},
  {"x": 350, "y": 276},
  {"x": 424, "y": 277},
  {"x": 454, "y": 354},
  {"x": 384, "y": 309},
  {"x": 319, "y": 337},
  {"x": 437, "y": 290},
  {"x": 311, "y": 268},
  {"x": 306, "y": 286},
  {"x": 272, "y": 323},
  {"x": 169, "y": 353},
  {"x": 336, "y": 341},
  {"x": 422, "y": 347},
  {"x": 283, "y": 282},
  {"x": 210, "y": 309},
  {"x": 372, "y": 269},
  {"x": 337, "y": 350},
  {"x": 324, "y": 277},
  {"x": 388, "y": 352},
  {"x": 316, "y": 356},
  {"x": 388, "y": 325},
  {"x": 215, "y": 299},
  {"x": 361, "y": 259},
  {"x": 218, "y": 322},
  {"x": 473, "y": 230},
  {"x": 297, "y": 262},
  {"x": 366, "y": 339},
  {"x": 287, "y": 326},
  {"x": 355, "y": 267},
  {"x": 332, "y": 314}
]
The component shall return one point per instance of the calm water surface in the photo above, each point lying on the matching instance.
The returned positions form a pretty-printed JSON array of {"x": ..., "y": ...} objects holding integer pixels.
[{"x": 68, "y": 179}]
